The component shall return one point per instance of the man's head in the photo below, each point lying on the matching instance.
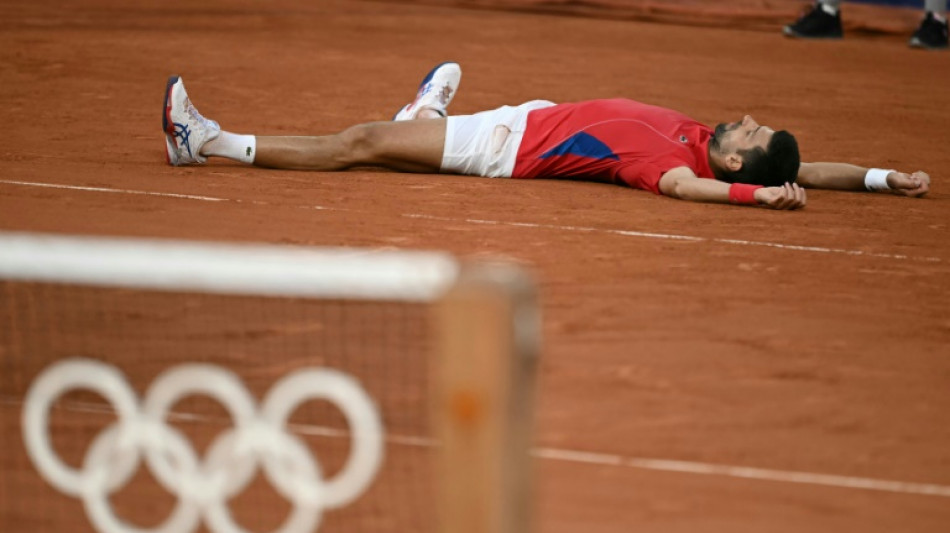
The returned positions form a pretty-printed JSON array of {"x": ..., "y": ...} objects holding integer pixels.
[{"x": 745, "y": 152}]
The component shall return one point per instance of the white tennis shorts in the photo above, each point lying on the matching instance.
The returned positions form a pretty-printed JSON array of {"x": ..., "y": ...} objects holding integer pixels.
[{"x": 486, "y": 144}]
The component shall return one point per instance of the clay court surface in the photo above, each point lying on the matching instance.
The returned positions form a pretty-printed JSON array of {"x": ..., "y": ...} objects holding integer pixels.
[{"x": 815, "y": 341}]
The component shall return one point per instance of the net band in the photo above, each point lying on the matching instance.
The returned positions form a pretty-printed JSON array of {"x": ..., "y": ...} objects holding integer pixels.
[{"x": 268, "y": 270}]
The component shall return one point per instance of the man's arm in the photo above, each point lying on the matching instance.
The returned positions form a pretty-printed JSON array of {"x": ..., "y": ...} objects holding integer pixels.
[
  {"x": 682, "y": 183},
  {"x": 845, "y": 177}
]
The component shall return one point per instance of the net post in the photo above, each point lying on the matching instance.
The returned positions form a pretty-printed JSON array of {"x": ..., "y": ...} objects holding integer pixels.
[{"x": 488, "y": 342}]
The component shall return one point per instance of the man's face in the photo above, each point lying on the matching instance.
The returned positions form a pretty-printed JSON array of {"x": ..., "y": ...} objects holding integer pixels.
[{"x": 745, "y": 134}]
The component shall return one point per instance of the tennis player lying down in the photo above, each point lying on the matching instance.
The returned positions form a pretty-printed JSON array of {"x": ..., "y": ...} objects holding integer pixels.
[{"x": 614, "y": 141}]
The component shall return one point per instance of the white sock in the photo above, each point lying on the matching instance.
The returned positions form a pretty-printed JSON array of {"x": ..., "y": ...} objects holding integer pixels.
[
  {"x": 941, "y": 17},
  {"x": 829, "y": 8},
  {"x": 241, "y": 148}
]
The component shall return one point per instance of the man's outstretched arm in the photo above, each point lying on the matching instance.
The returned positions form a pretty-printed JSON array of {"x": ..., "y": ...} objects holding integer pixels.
[
  {"x": 846, "y": 177},
  {"x": 682, "y": 183}
]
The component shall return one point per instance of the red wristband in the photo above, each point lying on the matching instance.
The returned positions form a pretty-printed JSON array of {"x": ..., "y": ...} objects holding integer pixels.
[{"x": 743, "y": 194}]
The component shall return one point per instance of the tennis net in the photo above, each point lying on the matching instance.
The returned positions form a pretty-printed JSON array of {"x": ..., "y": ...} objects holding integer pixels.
[{"x": 212, "y": 387}]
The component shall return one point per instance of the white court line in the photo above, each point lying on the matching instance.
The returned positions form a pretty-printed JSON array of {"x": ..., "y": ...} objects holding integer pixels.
[
  {"x": 745, "y": 472},
  {"x": 119, "y": 191},
  {"x": 602, "y": 459},
  {"x": 626, "y": 233},
  {"x": 673, "y": 236}
]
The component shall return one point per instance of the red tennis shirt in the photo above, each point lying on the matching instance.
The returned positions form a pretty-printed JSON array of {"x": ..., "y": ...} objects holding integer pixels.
[{"x": 617, "y": 141}]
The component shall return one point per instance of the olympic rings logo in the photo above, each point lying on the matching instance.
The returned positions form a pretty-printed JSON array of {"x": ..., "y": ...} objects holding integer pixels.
[{"x": 204, "y": 485}]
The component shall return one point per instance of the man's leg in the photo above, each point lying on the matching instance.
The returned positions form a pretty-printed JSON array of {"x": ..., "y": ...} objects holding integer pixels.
[
  {"x": 411, "y": 143},
  {"x": 410, "y": 146}
]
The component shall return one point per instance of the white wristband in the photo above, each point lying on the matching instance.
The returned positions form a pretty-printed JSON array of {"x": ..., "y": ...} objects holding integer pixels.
[{"x": 876, "y": 179}]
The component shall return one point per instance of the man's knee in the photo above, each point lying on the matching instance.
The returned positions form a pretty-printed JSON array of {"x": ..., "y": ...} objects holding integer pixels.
[{"x": 361, "y": 143}]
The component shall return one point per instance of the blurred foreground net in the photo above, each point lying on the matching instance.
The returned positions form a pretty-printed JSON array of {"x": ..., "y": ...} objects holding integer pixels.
[{"x": 203, "y": 387}]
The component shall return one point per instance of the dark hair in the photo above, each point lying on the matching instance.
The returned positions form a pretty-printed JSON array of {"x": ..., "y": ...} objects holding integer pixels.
[{"x": 776, "y": 165}]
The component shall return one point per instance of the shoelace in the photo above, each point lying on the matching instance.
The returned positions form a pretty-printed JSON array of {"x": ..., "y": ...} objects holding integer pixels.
[{"x": 196, "y": 115}]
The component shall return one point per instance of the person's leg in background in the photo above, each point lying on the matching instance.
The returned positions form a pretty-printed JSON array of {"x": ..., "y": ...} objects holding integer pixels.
[
  {"x": 932, "y": 33},
  {"x": 823, "y": 21}
]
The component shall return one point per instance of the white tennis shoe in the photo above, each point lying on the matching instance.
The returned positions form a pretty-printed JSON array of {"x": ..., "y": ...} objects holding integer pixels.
[
  {"x": 435, "y": 92},
  {"x": 186, "y": 131}
]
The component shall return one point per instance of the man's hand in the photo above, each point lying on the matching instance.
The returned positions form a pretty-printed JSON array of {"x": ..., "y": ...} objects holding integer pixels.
[
  {"x": 913, "y": 185},
  {"x": 788, "y": 196}
]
